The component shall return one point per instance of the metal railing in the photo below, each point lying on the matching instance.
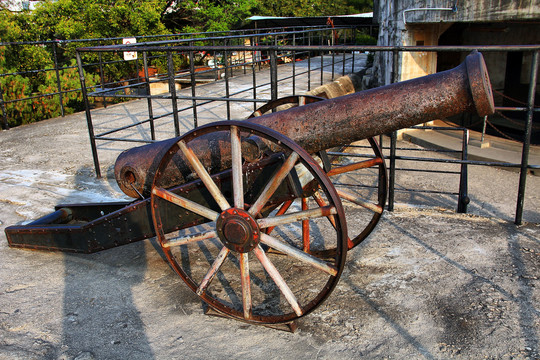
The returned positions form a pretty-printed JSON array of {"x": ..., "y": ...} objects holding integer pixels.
[
  {"x": 252, "y": 59},
  {"x": 269, "y": 57},
  {"x": 62, "y": 54},
  {"x": 529, "y": 109}
]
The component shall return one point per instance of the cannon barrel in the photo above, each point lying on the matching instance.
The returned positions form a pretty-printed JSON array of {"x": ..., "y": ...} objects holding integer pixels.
[{"x": 326, "y": 124}]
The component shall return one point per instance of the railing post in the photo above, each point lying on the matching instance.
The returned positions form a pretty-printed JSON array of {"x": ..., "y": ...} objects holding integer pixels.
[
  {"x": 260, "y": 53},
  {"x": 172, "y": 90},
  {"x": 227, "y": 90},
  {"x": 463, "y": 199},
  {"x": 216, "y": 67},
  {"x": 193, "y": 85},
  {"x": 393, "y": 141},
  {"x": 254, "y": 73},
  {"x": 102, "y": 79},
  {"x": 322, "y": 61},
  {"x": 244, "y": 55},
  {"x": 353, "y": 41},
  {"x": 344, "y": 61},
  {"x": 294, "y": 67},
  {"x": 333, "y": 57},
  {"x": 88, "y": 115},
  {"x": 58, "y": 82},
  {"x": 527, "y": 139},
  {"x": 309, "y": 64},
  {"x": 273, "y": 74},
  {"x": 149, "y": 98},
  {"x": 392, "y": 171}
]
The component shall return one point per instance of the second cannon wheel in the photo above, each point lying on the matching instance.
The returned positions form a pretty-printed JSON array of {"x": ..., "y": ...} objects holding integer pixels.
[{"x": 358, "y": 172}]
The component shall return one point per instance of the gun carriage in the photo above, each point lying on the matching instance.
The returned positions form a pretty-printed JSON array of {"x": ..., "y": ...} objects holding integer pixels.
[{"x": 246, "y": 211}]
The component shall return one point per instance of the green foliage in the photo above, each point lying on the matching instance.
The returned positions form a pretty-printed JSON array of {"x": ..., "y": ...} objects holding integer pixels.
[
  {"x": 365, "y": 39},
  {"x": 94, "y": 19},
  {"x": 312, "y": 7},
  {"x": 360, "y": 6},
  {"x": 65, "y": 20},
  {"x": 37, "y": 108},
  {"x": 86, "y": 19},
  {"x": 208, "y": 15},
  {"x": 16, "y": 87},
  {"x": 49, "y": 106}
]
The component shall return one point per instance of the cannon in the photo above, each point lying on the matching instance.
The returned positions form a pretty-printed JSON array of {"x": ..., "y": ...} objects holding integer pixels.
[{"x": 247, "y": 212}]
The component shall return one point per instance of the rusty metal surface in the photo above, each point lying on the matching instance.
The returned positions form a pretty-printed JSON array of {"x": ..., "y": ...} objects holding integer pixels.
[{"x": 326, "y": 124}]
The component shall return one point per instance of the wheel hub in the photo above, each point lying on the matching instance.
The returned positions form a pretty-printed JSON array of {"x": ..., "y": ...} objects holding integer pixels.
[{"x": 238, "y": 230}]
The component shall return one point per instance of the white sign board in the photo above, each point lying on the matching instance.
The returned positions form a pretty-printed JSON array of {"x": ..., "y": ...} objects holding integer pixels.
[{"x": 130, "y": 55}]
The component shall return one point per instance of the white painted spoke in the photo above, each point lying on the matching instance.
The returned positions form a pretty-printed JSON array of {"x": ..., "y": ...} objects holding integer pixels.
[
  {"x": 298, "y": 254},
  {"x": 356, "y": 200},
  {"x": 213, "y": 270},
  {"x": 246, "y": 285},
  {"x": 278, "y": 280},
  {"x": 185, "y": 203},
  {"x": 190, "y": 239},
  {"x": 296, "y": 216},
  {"x": 204, "y": 176},
  {"x": 273, "y": 184},
  {"x": 236, "y": 154}
]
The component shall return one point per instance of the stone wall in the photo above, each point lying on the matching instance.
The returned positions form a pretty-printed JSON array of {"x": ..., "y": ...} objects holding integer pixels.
[{"x": 422, "y": 22}]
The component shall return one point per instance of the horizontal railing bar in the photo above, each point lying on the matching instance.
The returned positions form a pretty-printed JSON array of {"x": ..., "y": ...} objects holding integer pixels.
[
  {"x": 427, "y": 191},
  {"x": 124, "y": 139},
  {"x": 328, "y": 48},
  {"x": 429, "y": 171}
]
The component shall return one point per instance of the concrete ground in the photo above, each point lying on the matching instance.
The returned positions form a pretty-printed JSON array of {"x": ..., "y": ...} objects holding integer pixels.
[{"x": 427, "y": 283}]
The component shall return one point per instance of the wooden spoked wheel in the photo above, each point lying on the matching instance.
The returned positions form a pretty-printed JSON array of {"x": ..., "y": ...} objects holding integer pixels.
[
  {"x": 248, "y": 261},
  {"x": 358, "y": 172}
]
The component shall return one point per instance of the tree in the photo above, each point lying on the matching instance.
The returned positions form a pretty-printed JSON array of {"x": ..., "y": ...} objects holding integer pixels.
[
  {"x": 312, "y": 7},
  {"x": 88, "y": 19},
  {"x": 207, "y": 15}
]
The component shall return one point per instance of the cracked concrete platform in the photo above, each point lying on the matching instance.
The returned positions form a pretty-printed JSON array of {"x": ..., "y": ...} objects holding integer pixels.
[{"x": 428, "y": 283}]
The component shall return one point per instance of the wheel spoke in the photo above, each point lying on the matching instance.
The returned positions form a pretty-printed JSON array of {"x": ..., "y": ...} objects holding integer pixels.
[
  {"x": 296, "y": 216},
  {"x": 220, "y": 258},
  {"x": 185, "y": 203},
  {"x": 273, "y": 184},
  {"x": 305, "y": 227},
  {"x": 246, "y": 285},
  {"x": 356, "y": 166},
  {"x": 354, "y": 199},
  {"x": 278, "y": 280},
  {"x": 204, "y": 176},
  {"x": 282, "y": 210},
  {"x": 190, "y": 239},
  {"x": 319, "y": 200},
  {"x": 236, "y": 154},
  {"x": 298, "y": 254}
]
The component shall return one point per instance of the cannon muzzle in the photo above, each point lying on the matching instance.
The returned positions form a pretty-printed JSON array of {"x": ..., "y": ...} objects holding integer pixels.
[{"x": 339, "y": 121}]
